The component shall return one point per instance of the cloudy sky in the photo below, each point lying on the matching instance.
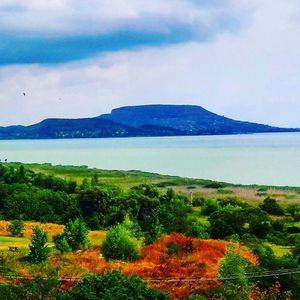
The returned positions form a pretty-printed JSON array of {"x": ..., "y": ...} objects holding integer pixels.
[{"x": 81, "y": 58}]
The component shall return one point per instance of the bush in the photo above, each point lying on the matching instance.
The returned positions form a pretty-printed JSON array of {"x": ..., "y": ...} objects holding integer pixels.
[
  {"x": 272, "y": 207},
  {"x": 209, "y": 207},
  {"x": 234, "y": 265},
  {"x": 16, "y": 228},
  {"x": 196, "y": 229},
  {"x": 39, "y": 251},
  {"x": 197, "y": 297},
  {"x": 75, "y": 236},
  {"x": 153, "y": 231},
  {"x": 113, "y": 286},
  {"x": 173, "y": 248},
  {"x": 120, "y": 244},
  {"x": 61, "y": 244},
  {"x": 36, "y": 288}
]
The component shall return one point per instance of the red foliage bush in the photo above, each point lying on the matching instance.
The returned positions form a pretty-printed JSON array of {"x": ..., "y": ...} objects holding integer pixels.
[{"x": 191, "y": 269}]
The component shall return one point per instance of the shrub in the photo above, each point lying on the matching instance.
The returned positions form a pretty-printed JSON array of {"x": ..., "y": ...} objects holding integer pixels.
[
  {"x": 113, "y": 286},
  {"x": 234, "y": 265},
  {"x": 272, "y": 207},
  {"x": 39, "y": 250},
  {"x": 293, "y": 229},
  {"x": 209, "y": 207},
  {"x": 296, "y": 248},
  {"x": 16, "y": 228},
  {"x": 36, "y": 288},
  {"x": 173, "y": 248},
  {"x": 154, "y": 231},
  {"x": 196, "y": 229},
  {"x": 61, "y": 244},
  {"x": 75, "y": 236},
  {"x": 120, "y": 244},
  {"x": 197, "y": 297}
]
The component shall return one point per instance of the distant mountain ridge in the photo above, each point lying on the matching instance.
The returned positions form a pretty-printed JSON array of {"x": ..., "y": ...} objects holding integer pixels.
[
  {"x": 189, "y": 119},
  {"x": 143, "y": 120}
]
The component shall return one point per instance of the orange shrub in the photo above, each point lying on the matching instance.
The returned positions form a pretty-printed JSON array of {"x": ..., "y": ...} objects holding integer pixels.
[
  {"x": 196, "y": 260},
  {"x": 192, "y": 268}
]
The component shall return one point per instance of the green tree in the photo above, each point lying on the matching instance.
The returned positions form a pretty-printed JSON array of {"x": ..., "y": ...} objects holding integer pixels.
[
  {"x": 272, "y": 207},
  {"x": 232, "y": 273},
  {"x": 120, "y": 244},
  {"x": 95, "y": 180},
  {"x": 61, "y": 244},
  {"x": 16, "y": 228},
  {"x": 75, "y": 236},
  {"x": 39, "y": 250},
  {"x": 154, "y": 230}
]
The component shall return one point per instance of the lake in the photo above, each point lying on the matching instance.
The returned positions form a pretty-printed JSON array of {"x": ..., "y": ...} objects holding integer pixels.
[{"x": 257, "y": 158}]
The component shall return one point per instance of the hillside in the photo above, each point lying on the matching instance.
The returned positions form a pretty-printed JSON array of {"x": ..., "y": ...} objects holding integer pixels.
[
  {"x": 139, "y": 121},
  {"x": 189, "y": 119},
  {"x": 95, "y": 237}
]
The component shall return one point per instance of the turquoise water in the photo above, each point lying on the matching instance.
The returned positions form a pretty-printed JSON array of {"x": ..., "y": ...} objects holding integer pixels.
[{"x": 259, "y": 158}]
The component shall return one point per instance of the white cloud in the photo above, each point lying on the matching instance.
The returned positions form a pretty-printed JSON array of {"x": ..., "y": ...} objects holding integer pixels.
[
  {"x": 75, "y": 17},
  {"x": 251, "y": 75}
]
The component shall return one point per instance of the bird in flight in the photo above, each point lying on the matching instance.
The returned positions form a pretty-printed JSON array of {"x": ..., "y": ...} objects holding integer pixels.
[{"x": 24, "y": 94}]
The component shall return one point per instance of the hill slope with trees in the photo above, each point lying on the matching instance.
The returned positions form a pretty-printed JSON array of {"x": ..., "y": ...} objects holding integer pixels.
[{"x": 139, "y": 121}]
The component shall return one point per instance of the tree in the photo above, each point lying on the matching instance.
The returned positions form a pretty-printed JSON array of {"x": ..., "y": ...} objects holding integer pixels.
[
  {"x": 39, "y": 250},
  {"x": 238, "y": 220},
  {"x": 272, "y": 207},
  {"x": 227, "y": 221},
  {"x": 16, "y": 228},
  {"x": 61, "y": 244},
  {"x": 120, "y": 244},
  {"x": 95, "y": 180},
  {"x": 75, "y": 236},
  {"x": 234, "y": 266},
  {"x": 154, "y": 230}
]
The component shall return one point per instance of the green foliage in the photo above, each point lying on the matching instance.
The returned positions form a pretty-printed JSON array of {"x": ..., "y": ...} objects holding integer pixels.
[
  {"x": 239, "y": 220},
  {"x": 16, "y": 228},
  {"x": 209, "y": 206},
  {"x": 197, "y": 297},
  {"x": 269, "y": 261},
  {"x": 272, "y": 207},
  {"x": 296, "y": 248},
  {"x": 75, "y": 236},
  {"x": 30, "y": 203},
  {"x": 234, "y": 266},
  {"x": 113, "y": 286},
  {"x": 37, "y": 288},
  {"x": 95, "y": 180},
  {"x": 120, "y": 244},
  {"x": 227, "y": 221},
  {"x": 154, "y": 230},
  {"x": 178, "y": 216},
  {"x": 173, "y": 248},
  {"x": 61, "y": 244},
  {"x": 39, "y": 250}
]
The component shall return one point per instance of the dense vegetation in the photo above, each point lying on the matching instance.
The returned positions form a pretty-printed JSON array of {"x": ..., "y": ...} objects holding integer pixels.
[{"x": 137, "y": 220}]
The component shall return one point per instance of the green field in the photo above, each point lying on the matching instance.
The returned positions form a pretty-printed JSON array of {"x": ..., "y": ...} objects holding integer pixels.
[{"x": 191, "y": 186}]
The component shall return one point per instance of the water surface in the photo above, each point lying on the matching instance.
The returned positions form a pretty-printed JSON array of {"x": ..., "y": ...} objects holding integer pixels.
[{"x": 258, "y": 158}]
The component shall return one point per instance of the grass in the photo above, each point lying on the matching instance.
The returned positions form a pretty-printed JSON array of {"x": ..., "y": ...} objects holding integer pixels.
[
  {"x": 124, "y": 179},
  {"x": 280, "y": 250},
  {"x": 20, "y": 242}
]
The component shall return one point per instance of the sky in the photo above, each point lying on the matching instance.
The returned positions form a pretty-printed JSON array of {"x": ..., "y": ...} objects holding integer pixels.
[{"x": 82, "y": 58}]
